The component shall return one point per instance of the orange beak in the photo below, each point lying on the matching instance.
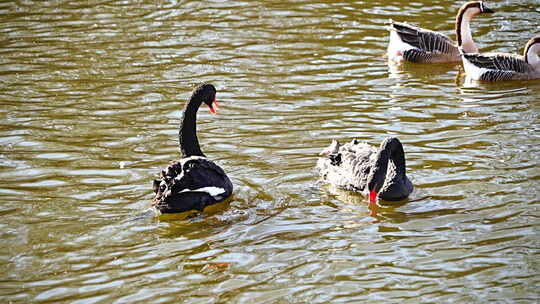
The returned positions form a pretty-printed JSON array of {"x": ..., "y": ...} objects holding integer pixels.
[{"x": 214, "y": 107}]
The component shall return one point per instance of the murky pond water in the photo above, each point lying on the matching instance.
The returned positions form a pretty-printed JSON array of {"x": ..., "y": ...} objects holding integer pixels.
[{"x": 90, "y": 95}]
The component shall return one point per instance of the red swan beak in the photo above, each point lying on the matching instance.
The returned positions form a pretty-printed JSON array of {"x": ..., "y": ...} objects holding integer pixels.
[
  {"x": 372, "y": 197},
  {"x": 214, "y": 107}
]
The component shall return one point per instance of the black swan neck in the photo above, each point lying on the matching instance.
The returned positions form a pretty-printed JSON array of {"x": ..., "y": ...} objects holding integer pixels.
[
  {"x": 390, "y": 149},
  {"x": 189, "y": 143},
  {"x": 396, "y": 154}
]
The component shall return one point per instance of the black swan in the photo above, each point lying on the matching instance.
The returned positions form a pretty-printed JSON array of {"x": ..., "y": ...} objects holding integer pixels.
[
  {"x": 357, "y": 166},
  {"x": 194, "y": 181}
]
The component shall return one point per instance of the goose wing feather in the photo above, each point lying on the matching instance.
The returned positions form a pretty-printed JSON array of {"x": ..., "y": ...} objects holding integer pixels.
[
  {"x": 498, "y": 62},
  {"x": 423, "y": 39}
]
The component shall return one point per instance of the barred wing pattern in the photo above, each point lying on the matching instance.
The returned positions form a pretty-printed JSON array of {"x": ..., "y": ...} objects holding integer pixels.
[
  {"x": 499, "y": 62},
  {"x": 428, "y": 44},
  {"x": 498, "y": 66}
]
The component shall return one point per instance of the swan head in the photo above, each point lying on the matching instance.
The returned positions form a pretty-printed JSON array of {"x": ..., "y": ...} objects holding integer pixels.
[
  {"x": 206, "y": 93},
  {"x": 387, "y": 179}
]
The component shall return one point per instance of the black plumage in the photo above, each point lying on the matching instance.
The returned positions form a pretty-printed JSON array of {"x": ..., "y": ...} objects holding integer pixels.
[
  {"x": 363, "y": 168},
  {"x": 194, "y": 181}
]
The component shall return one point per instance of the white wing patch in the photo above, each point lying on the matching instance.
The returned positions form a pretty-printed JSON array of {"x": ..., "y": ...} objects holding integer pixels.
[
  {"x": 396, "y": 47},
  {"x": 473, "y": 71},
  {"x": 213, "y": 191}
]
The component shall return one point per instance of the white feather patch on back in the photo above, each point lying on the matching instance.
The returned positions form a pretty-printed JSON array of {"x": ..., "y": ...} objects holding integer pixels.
[
  {"x": 213, "y": 191},
  {"x": 396, "y": 47},
  {"x": 473, "y": 71}
]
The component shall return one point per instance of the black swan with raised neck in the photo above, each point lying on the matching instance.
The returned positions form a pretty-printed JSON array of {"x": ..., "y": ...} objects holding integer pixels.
[
  {"x": 376, "y": 172},
  {"x": 194, "y": 181}
]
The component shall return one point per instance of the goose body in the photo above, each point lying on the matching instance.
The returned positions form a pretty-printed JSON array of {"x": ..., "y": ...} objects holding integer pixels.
[
  {"x": 194, "y": 181},
  {"x": 376, "y": 172},
  {"x": 503, "y": 66},
  {"x": 415, "y": 44}
]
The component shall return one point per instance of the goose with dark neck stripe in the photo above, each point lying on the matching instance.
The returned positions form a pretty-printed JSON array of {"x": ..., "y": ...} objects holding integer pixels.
[
  {"x": 415, "y": 44},
  {"x": 193, "y": 182},
  {"x": 379, "y": 173}
]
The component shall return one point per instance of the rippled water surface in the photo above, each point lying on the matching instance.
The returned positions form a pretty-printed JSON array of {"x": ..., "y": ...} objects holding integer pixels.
[{"x": 91, "y": 94}]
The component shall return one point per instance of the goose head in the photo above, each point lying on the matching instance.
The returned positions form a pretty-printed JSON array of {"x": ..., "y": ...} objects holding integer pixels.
[
  {"x": 463, "y": 18},
  {"x": 532, "y": 48},
  {"x": 474, "y": 8}
]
